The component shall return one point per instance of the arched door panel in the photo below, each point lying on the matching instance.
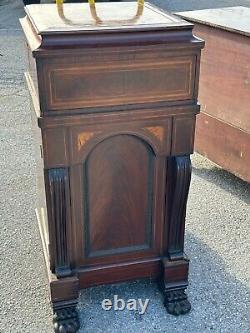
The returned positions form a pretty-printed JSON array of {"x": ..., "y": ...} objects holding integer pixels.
[
  {"x": 118, "y": 187},
  {"x": 118, "y": 184}
]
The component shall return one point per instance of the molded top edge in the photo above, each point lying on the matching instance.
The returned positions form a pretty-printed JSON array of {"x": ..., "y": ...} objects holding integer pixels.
[{"x": 80, "y": 18}]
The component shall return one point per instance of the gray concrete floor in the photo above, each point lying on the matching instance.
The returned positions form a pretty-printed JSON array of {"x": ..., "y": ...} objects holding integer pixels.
[{"x": 217, "y": 236}]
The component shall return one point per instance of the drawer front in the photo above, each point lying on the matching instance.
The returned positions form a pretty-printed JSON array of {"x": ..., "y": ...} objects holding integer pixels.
[{"x": 83, "y": 85}]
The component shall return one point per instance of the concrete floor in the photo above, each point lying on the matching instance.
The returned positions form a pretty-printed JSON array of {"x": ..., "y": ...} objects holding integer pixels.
[{"x": 217, "y": 236}]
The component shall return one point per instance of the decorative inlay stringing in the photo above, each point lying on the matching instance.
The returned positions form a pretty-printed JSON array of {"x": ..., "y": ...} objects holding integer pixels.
[{"x": 157, "y": 131}]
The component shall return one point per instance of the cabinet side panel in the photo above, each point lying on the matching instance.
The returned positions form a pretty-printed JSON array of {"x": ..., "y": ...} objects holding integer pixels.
[
  {"x": 40, "y": 200},
  {"x": 32, "y": 70}
]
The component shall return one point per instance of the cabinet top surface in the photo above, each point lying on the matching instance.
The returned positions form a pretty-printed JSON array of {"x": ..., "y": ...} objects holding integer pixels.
[
  {"x": 82, "y": 17},
  {"x": 234, "y": 19}
]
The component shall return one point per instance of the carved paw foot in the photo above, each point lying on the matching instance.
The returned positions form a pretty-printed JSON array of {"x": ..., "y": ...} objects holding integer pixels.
[
  {"x": 176, "y": 302},
  {"x": 66, "y": 320}
]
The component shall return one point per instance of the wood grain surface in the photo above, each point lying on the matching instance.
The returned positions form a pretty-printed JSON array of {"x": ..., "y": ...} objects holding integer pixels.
[
  {"x": 116, "y": 101},
  {"x": 118, "y": 185}
]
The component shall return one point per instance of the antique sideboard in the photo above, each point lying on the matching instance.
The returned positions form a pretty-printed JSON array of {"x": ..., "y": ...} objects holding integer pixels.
[
  {"x": 114, "y": 96},
  {"x": 223, "y": 126}
]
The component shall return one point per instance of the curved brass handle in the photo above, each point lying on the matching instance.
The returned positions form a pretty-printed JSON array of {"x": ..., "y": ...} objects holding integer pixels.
[{"x": 98, "y": 20}]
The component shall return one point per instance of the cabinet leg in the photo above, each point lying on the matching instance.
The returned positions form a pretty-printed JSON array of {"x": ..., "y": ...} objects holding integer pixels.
[
  {"x": 64, "y": 299},
  {"x": 176, "y": 302},
  {"x": 173, "y": 284},
  {"x": 65, "y": 319}
]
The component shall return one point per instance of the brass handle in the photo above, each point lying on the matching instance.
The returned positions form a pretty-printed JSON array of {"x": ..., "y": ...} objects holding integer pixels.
[{"x": 99, "y": 21}]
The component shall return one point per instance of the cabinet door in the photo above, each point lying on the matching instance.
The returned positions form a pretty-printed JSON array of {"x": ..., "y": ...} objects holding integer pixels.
[{"x": 118, "y": 180}]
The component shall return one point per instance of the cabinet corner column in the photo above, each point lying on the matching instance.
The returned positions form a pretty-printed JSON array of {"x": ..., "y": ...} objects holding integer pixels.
[
  {"x": 58, "y": 204},
  {"x": 181, "y": 174},
  {"x": 59, "y": 219},
  {"x": 175, "y": 263}
]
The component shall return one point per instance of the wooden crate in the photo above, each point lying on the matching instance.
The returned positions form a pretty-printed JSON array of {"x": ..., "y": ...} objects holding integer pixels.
[{"x": 223, "y": 127}]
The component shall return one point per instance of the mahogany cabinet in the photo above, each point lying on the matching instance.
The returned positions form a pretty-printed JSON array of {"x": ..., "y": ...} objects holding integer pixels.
[
  {"x": 223, "y": 126},
  {"x": 114, "y": 98}
]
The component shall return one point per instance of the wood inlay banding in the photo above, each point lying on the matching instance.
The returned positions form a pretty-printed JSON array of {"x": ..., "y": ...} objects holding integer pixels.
[
  {"x": 157, "y": 131},
  {"x": 83, "y": 138}
]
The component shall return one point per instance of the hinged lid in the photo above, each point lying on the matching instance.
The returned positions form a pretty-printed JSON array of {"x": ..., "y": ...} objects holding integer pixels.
[
  {"x": 51, "y": 27},
  {"x": 82, "y": 17}
]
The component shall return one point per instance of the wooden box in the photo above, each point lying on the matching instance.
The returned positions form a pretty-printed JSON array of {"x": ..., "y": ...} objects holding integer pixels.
[
  {"x": 114, "y": 89},
  {"x": 223, "y": 127}
]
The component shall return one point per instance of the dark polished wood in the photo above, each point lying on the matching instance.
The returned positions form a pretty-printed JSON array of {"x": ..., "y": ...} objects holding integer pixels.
[
  {"x": 118, "y": 223},
  {"x": 58, "y": 208},
  {"x": 116, "y": 102},
  {"x": 181, "y": 180},
  {"x": 223, "y": 127}
]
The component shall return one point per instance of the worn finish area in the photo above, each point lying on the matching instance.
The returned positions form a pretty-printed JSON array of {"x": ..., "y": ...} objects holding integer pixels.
[{"x": 217, "y": 242}]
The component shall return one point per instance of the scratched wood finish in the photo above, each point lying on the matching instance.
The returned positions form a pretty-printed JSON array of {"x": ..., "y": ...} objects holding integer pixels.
[{"x": 116, "y": 106}]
